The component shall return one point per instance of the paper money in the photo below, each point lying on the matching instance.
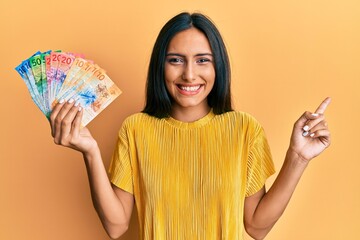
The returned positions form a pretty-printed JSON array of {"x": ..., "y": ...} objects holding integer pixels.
[
  {"x": 35, "y": 97},
  {"x": 65, "y": 62},
  {"x": 55, "y": 75}
]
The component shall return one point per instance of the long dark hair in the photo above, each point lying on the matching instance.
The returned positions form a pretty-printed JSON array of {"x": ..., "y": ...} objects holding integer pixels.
[{"x": 158, "y": 100}]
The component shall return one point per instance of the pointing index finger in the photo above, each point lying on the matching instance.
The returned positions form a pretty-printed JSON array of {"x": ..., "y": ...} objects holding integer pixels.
[{"x": 322, "y": 107}]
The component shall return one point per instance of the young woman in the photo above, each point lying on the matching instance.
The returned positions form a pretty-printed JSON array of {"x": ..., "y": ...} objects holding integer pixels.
[{"x": 195, "y": 168}]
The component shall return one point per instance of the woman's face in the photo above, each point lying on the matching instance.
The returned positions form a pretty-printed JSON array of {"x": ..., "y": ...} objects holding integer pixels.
[{"x": 189, "y": 70}]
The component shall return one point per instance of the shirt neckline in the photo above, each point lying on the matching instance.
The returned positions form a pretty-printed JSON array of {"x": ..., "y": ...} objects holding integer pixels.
[{"x": 187, "y": 125}]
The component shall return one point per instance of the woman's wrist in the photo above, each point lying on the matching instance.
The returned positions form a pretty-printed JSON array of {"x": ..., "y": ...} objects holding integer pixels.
[
  {"x": 296, "y": 159},
  {"x": 92, "y": 153}
]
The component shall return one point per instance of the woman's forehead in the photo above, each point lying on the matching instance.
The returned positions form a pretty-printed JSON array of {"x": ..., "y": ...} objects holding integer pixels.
[{"x": 189, "y": 41}]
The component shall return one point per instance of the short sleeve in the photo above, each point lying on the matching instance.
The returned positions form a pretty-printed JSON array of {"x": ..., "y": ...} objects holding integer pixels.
[
  {"x": 120, "y": 171},
  {"x": 260, "y": 164}
]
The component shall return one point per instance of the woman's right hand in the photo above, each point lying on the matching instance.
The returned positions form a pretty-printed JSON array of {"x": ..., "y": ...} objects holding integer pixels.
[{"x": 65, "y": 121}]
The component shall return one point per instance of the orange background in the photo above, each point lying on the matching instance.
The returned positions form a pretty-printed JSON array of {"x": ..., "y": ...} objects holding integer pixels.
[{"x": 286, "y": 57}]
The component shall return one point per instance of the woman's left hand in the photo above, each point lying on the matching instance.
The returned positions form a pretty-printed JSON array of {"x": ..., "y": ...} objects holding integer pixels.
[{"x": 311, "y": 135}]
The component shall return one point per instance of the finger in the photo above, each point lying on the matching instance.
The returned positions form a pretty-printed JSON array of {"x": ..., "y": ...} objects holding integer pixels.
[
  {"x": 59, "y": 118},
  {"x": 312, "y": 121},
  {"x": 67, "y": 122},
  {"x": 323, "y": 135},
  {"x": 77, "y": 121},
  {"x": 320, "y": 126},
  {"x": 304, "y": 119},
  {"x": 54, "y": 114},
  {"x": 322, "y": 107}
]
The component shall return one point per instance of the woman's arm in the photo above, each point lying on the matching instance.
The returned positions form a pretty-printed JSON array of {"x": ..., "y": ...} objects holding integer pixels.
[
  {"x": 113, "y": 205},
  {"x": 262, "y": 209}
]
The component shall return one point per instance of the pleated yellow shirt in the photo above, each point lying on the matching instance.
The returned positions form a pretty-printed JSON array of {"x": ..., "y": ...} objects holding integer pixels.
[{"x": 190, "y": 180}]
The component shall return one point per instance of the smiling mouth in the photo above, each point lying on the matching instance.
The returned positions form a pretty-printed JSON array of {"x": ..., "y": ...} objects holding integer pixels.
[{"x": 189, "y": 89}]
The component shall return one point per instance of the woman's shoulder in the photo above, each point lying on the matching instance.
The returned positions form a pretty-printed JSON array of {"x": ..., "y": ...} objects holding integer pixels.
[
  {"x": 137, "y": 117},
  {"x": 242, "y": 120},
  {"x": 240, "y": 116}
]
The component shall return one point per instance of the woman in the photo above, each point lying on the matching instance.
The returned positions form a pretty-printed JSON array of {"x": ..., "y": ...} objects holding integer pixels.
[{"x": 195, "y": 168}]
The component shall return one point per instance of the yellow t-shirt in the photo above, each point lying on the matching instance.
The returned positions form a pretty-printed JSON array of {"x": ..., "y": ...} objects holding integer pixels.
[{"x": 190, "y": 180}]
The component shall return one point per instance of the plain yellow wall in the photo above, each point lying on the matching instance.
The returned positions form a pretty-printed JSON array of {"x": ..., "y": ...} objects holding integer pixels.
[{"x": 286, "y": 57}]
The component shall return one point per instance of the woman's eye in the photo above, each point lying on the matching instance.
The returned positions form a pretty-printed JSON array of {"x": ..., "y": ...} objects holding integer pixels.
[
  {"x": 175, "y": 60},
  {"x": 203, "y": 60}
]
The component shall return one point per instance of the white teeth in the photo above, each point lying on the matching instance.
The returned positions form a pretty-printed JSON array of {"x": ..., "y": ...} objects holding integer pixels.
[{"x": 190, "y": 89}]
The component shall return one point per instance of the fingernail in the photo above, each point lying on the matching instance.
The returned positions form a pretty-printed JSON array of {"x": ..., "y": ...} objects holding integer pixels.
[
  {"x": 80, "y": 108},
  {"x": 312, "y": 135},
  {"x": 61, "y": 101},
  {"x": 305, "y": 133},
  {"x": 306, "y": 127},
  {"x": 76, "y": 104},
  {"x": 314, "y": 114},
  {"x": 71, "y": 100}
]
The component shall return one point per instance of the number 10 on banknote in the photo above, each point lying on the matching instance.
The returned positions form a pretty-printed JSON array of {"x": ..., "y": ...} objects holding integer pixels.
[{"x": 54, "y": 75}]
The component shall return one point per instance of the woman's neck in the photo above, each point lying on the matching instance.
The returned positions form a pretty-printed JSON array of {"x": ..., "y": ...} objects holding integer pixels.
[{"x": 189, "y": 114}]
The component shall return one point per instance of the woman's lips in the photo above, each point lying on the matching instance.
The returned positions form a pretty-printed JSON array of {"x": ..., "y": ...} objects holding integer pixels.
[{"x": 189, "y": 89}]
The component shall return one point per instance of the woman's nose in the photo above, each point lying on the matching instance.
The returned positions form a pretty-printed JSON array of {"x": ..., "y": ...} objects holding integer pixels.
[{"x": 189, "y": 72}]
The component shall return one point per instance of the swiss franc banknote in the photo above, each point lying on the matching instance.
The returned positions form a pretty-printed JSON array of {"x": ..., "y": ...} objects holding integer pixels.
[{"x": 55, "y": 75}]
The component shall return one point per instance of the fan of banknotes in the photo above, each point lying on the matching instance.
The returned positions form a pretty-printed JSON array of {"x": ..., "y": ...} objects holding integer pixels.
[{"x": 55, "y": 75}]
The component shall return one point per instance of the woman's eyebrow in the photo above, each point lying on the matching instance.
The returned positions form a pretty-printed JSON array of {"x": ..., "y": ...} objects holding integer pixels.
[
  {"x": 175, "y": 54},
  {"x": 204, "y": 54},
  {"x": 197, "y": 55}
]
